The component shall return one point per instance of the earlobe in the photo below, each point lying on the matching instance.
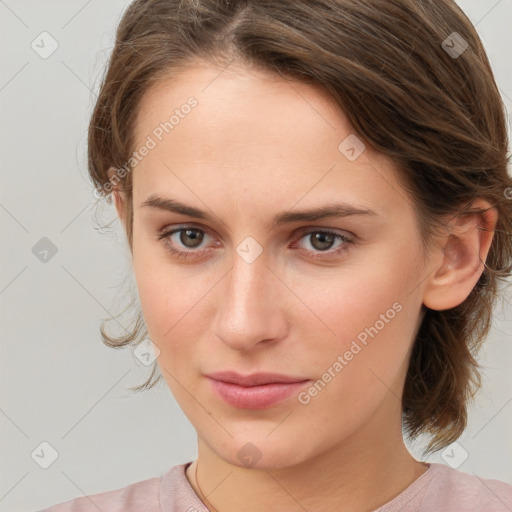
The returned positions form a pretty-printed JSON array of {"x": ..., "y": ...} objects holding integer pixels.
[{"x": 462, "y": 257}]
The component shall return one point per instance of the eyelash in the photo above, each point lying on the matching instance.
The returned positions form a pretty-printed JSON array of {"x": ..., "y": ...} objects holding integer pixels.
[{"x": 166, "y": 233}]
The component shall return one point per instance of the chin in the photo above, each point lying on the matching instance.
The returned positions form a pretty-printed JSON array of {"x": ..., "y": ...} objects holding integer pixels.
[{"x": 261, "y": 453}]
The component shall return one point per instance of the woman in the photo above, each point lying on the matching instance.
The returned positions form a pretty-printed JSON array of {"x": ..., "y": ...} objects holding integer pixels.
[{"x": 316, "y": 201}]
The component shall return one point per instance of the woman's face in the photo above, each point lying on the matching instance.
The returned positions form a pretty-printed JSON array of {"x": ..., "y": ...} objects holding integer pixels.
[{"x": 339, "y": 309}]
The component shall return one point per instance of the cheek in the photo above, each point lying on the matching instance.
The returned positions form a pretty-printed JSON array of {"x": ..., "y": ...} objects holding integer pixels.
[
  {"x": 348, "y": 300},
  {"x": 172, "y": 297},
  {"x": 367, "y": 317},
  {"x": 157, "y": 287},
  {"x": 364, "y": 361}
]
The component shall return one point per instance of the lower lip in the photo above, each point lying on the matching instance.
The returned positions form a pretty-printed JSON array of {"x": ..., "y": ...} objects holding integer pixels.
[{"x": 256, "y": 397}]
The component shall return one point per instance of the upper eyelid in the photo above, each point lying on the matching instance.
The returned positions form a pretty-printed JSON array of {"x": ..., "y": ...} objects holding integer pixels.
[{"x": 180, "y": 227}]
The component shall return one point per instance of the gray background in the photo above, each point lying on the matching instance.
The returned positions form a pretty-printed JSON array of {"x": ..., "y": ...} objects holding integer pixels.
[{"x": 59, "y": 383}]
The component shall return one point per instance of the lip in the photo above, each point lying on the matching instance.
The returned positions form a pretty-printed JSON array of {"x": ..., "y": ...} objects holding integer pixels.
[{"x": 256, "y": 391}]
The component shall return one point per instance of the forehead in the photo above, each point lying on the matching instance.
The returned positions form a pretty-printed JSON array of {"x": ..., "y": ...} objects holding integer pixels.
[
  {"x": 252, "y": 133},
  {"x": 234, "y": 104}
]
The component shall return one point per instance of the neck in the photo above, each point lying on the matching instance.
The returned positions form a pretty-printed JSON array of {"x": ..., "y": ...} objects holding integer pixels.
[{"x": 361, "y": 473}]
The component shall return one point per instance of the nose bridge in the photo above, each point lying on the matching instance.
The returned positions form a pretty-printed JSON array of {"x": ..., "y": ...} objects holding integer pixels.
[
  {"x": 247, "y": 311},
  {"x": 246, "y": 289}
]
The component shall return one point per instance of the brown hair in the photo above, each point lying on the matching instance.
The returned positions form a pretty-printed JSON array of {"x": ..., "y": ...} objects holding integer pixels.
[{"x": 437, "y": 113}]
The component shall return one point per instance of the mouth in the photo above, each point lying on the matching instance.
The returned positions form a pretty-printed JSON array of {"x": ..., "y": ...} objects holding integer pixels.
[{"x": 256, "y": 391}]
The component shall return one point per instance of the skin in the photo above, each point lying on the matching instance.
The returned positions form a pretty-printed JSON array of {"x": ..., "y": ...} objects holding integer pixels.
[{"x": 254, "y": 146}]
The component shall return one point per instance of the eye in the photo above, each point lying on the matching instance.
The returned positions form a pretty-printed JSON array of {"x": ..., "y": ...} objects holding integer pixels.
[
  {"x": 188, "y": 237},
  {"x": 322, "y": 240},
  {"x": 191, "y": 238}
]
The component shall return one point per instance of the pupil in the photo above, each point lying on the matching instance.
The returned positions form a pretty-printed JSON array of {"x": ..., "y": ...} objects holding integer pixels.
[
  {"x": 325, "y": 240},
  {"x": 191, "y": 234}
]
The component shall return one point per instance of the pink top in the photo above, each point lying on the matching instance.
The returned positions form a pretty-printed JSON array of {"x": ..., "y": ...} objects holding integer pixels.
[{"x": 440, "y": 489}]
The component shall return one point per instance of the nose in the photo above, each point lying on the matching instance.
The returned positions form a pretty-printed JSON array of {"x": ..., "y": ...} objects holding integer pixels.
[{"x": 250, "y": 308}]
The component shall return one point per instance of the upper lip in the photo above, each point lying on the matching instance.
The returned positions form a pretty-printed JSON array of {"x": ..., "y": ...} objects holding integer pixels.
[{"x": 253, "y": 379}]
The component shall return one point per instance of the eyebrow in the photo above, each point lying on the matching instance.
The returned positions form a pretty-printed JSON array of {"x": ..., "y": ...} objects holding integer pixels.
[{"x": 333, "y": 210}]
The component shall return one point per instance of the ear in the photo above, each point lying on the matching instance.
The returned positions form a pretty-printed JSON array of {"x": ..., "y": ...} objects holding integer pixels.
[
  {"x": 461, "y": 256},
  {"x": 119, "y": 198}
]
